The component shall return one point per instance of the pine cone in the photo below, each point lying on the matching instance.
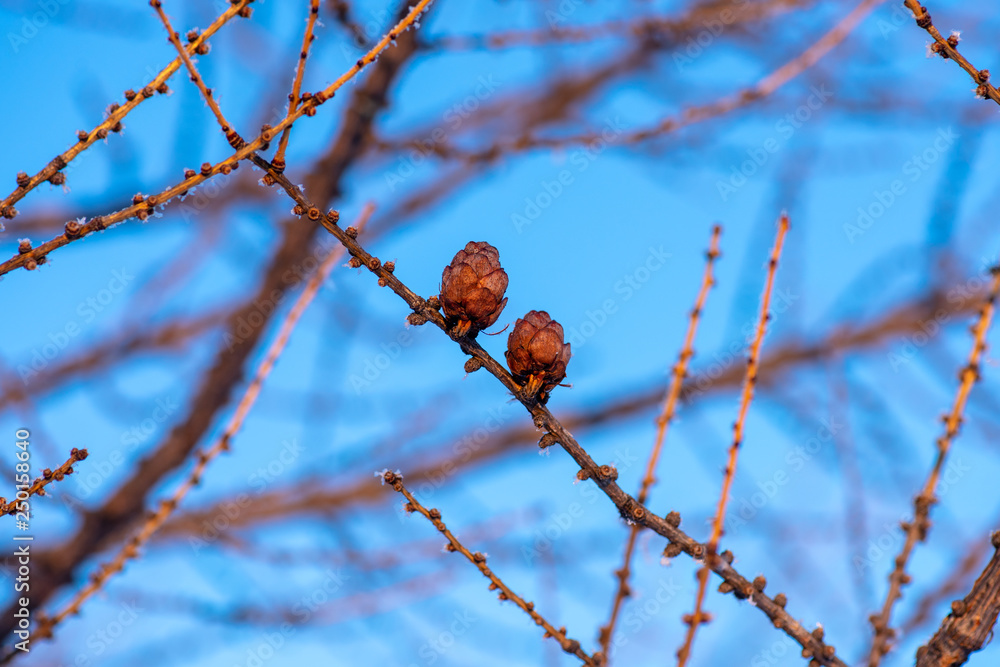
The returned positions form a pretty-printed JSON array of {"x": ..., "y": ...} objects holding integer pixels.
[
  {"x": 536, "y": 354},
  {"x": 472, "y": 288}
]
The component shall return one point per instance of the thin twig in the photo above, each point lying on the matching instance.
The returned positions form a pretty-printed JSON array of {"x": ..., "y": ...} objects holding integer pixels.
[
  {"x": 749, "y": 382},
  {"x": 46, "y": 623},
  {"x": 916, "y": 530},
  {"x": 293, "y": 98},
  {"x": 663, "y": 422},
  {"x": 113, "y": 122},
  {"x": 946, "y": 48},
  {"x": 142, "y": 207},
  {"x": 478, "y": 559},
  {"x": 232, "y": 136},
  {"x": 37, "y": 487},
  {"x": 604, "y": 476}
]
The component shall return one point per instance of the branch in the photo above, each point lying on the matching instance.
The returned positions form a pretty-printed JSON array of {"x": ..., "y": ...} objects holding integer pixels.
[
  {"x": 916, "y": 530},
  {"x": 293, "y": 98},
  {"x": 45, "y": 623},
  {"x": 37, "y": 487},
  {"x": 103, "y": 525},
  {"x": 30, "y": 258},
  {"x": 478, "y": 559},
  {"x": 666, "y": 417},
  {"x": 113, "y": 123},
  {"x": 604, "y": 476},
  {"x": 946, "y": 48},
  {"x": 694, "y": 620},
  {"x": 970, "y": 624}
]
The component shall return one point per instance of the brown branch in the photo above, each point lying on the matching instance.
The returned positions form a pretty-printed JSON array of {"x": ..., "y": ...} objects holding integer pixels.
[
  {"x": 46, "y": 623},
  {"x": 232, "y": 136},
  {"x": 946, "y": 48},
  {"x": 679, "y": 372},
  {"x": 604, "y": 476},
  {"x": 694, "y": 620},
  {"x": 53, "y": 170},
  {"x": 37, "y": 487},
  {"x": 657, "y": 27},
  {"x": 103, "y": 525},
  {"x": 142, "y": 206},
  {"x": 293, "y": 98},
  {"x": 916, "y": 530},
  {"x": 478, "y": 559},
  {"x": 692, "y": 115},
  {"x": 970, "y": 624}
]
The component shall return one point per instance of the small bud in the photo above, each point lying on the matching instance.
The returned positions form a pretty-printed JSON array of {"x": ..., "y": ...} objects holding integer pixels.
[
  {"x": 673, "y": 550},
  {"x": 472, "y": 364}
]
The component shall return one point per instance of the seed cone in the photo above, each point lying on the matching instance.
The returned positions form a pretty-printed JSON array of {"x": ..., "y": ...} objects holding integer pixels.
[
  {"x": 472, "y": 288},
  {"x": 536, "y": 354}
]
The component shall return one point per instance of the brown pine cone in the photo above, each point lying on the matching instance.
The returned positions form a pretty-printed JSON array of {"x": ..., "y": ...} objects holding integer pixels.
[
  {"x": 536, "y": 354},
  {"x": 472, "y": 288}
]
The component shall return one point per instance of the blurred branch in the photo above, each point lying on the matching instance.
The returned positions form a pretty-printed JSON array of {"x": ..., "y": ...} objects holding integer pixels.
[{"x": 56, "y": 566}]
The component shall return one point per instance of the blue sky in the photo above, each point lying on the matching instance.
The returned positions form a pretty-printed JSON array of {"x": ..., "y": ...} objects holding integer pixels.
[{"x": 876, "y": 128}]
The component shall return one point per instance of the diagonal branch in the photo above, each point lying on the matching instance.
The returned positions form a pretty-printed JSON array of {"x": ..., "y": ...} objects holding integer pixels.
[
  {"x": 478, "y": 559},
  {"x": 916, "y": 530},
  {"x": 103, "y": 525},
  {"x": 37, "y": 487},
  {"x": 693, "y": 621},
  {"x": 53, "y": 170},
  {"x": 969, "y": 626},
  {"x": 666, "y": 417},
  {"x": 604, "y": 476},
  {"x": 46, "y": 623},
  {"x": 30, "y": 258},
  {"x": 947, "y": 49}
]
